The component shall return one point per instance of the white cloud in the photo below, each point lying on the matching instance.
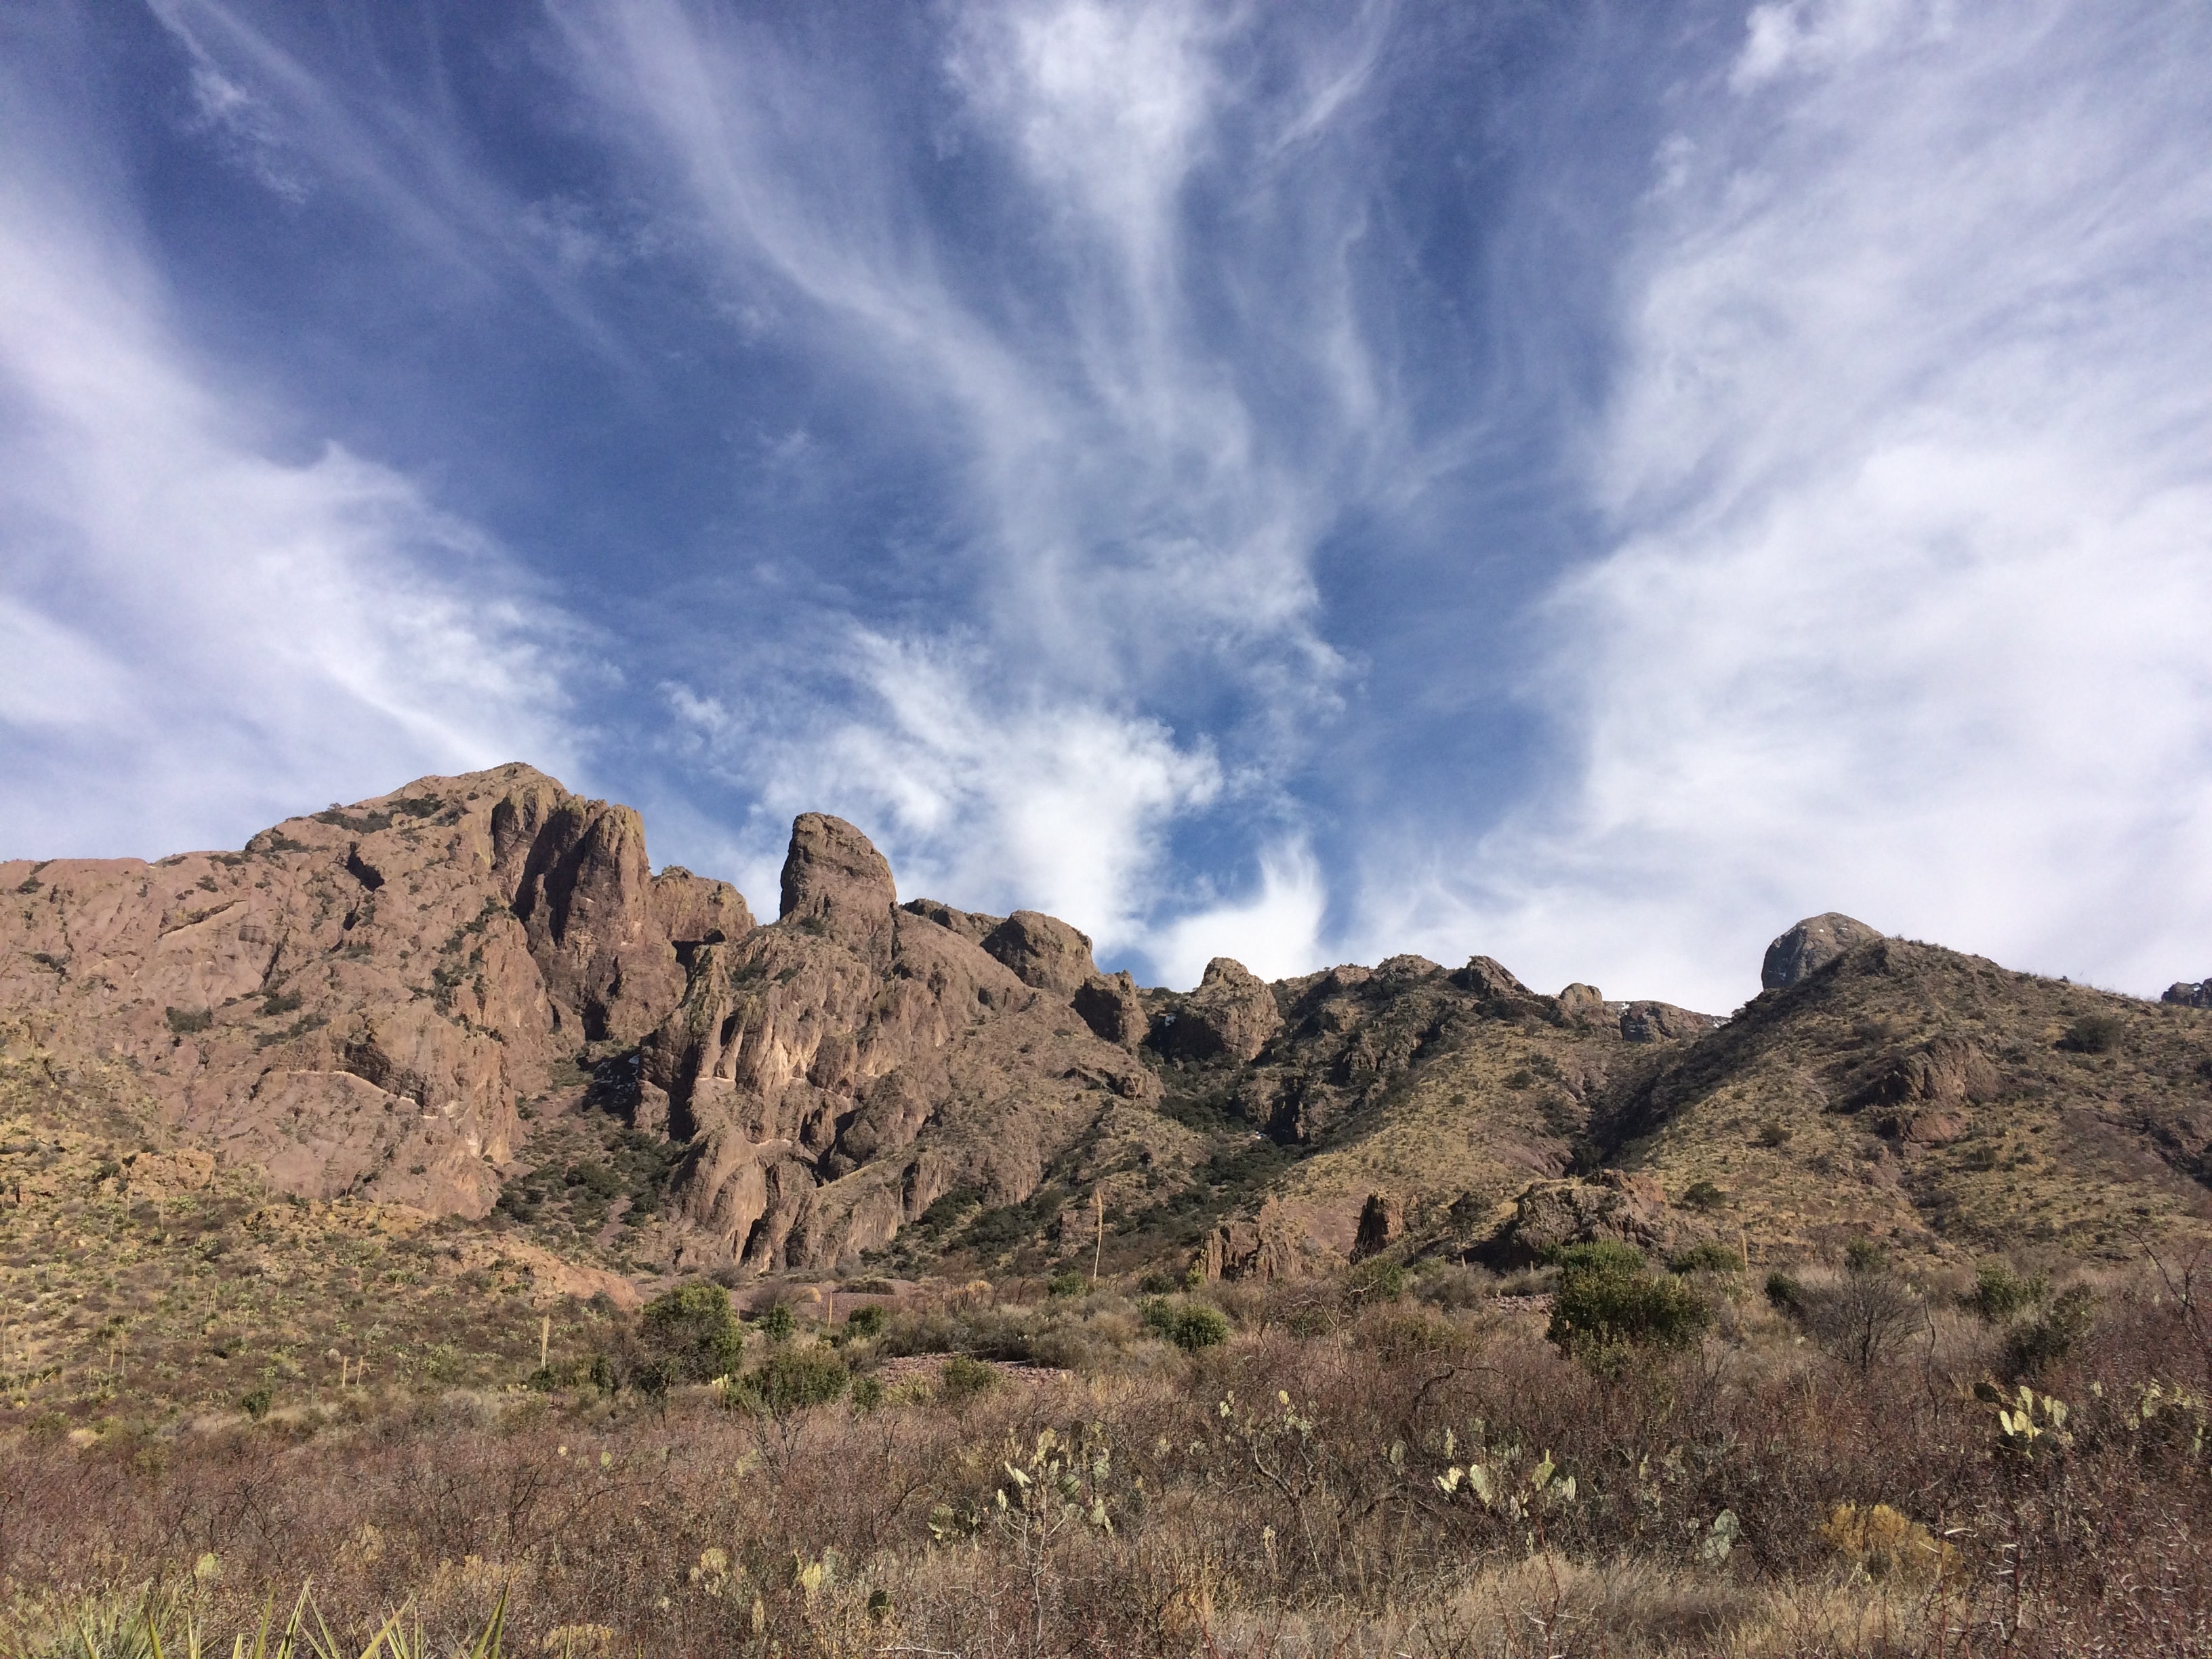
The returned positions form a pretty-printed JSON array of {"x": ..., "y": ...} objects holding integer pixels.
[
  {"x": 1059, "y": 806},
  {"x": 1275, "y": 932},
  {"x": 1909, "y": 458},
  {"x": 205, "y": 637},
  {"x": 1132, "y": 532}
]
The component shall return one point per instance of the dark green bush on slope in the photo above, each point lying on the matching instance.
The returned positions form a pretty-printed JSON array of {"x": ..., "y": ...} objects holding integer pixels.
[
  {"x": 1607, "y": 1309},
  {"x": 691, "y": 1332}
]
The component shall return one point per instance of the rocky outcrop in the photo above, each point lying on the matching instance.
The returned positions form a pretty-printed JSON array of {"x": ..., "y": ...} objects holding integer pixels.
[
  {"x": 1042, "y": 950},
  {"x": 1230, "y": 1015},
  {"x": 836, "y": 1073},
  {"x": 355, "y": 1003},
  {"x": 835, "y": 885},
  {"x": 2188, "y": 995},
  {"x": 1808, "y": 946},
  {"x": 1488, "y": 979},
  {"x": 971, "y": 925},
  {"x": 1112, "y": 1007},
  {"x": 1582, "y": 1004},
  {"x": 1661, "y": 1022},
  {"x": 1628, "y": 1209},
  {"x": 1263, "y": 1247},
  {"x": 1919, "y": 1098},
  {"x": 1382, "y": 1219}
]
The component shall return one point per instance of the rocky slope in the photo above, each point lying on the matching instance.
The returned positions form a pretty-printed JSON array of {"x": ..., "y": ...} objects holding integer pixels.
[
  {"x": 356, "y": 1003},
  {"x": 473, "y": 999}
]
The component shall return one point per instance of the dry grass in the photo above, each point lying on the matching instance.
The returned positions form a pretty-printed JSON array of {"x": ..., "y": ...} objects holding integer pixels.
[{"x": 1279, "y": 1496}]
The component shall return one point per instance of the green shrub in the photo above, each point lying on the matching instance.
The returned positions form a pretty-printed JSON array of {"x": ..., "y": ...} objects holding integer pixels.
[
  {"x": 964, "y": 1377},
  {"x": 1785, "y": 1293},
  {"x": 256, "y": 1404},
  {"x": 1603, "y": 1314},
  {"x": 1707, "y": 1258},
  {"x": 2000, "y": 1295},
  {"x": 186, "y": 1021},
  {"x": 2047, "y": 1340},
  {"x": 1190, "y": 1325},
  {"x": 1775, "y": 1133},
  {"x": 1376, "y": 1280},
  {"x": 690, "y": 1334},
  {"x": 2095, "y": 1034},
  {"x": 1068, "y": 1284},
  {"x": 792, "y": 1377},
  {"x": 1866, "y": 1255},
  {"x": 1704, "y": 1196},
  {"x": 1598, "y": 1255},
  {"x": 866, "y": 1321},
  {"x": 1199, "y": 1325},
  {"x": 777, "y": 1324}
]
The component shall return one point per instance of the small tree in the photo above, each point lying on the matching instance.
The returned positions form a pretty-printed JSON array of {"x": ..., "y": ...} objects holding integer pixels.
[
  {"x": 690, "y": 1334},
  {"x": 1862, "y": 1317},
  {"x": 1606, "y": 1311}
]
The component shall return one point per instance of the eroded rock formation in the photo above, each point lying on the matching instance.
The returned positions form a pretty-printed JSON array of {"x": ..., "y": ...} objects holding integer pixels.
[
  {"x": 1810, "y": 946},
  {"x": 357, "y": 1001},
  {"x": 838, "y": 1071}
]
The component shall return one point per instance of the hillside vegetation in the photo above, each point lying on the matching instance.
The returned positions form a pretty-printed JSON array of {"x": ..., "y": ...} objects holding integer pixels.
[{"x": 432, "y": 1203}]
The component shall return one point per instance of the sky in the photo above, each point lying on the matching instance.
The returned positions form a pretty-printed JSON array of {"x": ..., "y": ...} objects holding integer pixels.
[{"x": 1587, "y": 483}]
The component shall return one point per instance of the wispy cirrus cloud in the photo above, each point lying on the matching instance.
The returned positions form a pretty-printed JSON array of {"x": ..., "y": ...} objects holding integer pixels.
[
  {"x": 1908, "y": 464},
  {"x": 1127, "y": 526},
  {"x": 202, "y": 633}
]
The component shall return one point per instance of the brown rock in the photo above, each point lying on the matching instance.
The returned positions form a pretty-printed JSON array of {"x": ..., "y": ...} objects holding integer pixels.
[
  {"x": 1381, "y": 1219},
  {"x": 1109, "y": 1005},
  {"x": 1263, "y": 1247},
  {"x": 836, "y": 883},
  {"x": 587, "y": 901},
  {"x": 1582, "y": 1004},
  {"x": 355, "y": 1003},
  {"x": 971, "y": 925},
  {"x": 1232, "y": 1013},
  {"x": 1044, "y": 951},
  {"x": 1945, "y": 1071},
  {"x": 1662, "y": 1022},
  {"x": 1813, "y": 943},
  {"x": 839, "y": 1071},
  {"x": 694, "y": 910},
  {"x": 1629, "y": 1209},
  {"x": 1488, "y": 978},
  {"x": 2198, "y": 995}
]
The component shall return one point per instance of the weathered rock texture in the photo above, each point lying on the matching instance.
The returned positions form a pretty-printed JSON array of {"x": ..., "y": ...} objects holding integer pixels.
[
  {"x": 1621, "y": 1208},
  {"x": 838, "y": 1071},
  {"x": 355, "y": 1003},
  {"x": 1811, "y": 944}
]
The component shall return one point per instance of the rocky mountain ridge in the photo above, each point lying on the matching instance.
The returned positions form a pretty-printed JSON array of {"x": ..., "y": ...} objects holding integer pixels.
[{"x": 462, "y": 998}]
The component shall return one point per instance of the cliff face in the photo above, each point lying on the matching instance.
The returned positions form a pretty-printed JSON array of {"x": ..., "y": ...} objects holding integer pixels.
[
  {"x": 838, "y": 1071},
  {"x": 355, "y": 1003},
  {"x": 474, "y": 994}
]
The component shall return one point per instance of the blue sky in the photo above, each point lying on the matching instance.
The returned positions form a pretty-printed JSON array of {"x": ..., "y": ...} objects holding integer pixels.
[{"x": 1588, "y": 483}]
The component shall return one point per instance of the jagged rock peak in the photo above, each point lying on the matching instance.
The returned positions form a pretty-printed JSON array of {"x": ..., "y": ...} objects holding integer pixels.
[
  {"x": 833, "y": 877},
  {"x": 1231, "y": 1013},
  {"x": 1810, "y": 946},
  {"x": 2188, "y": 995}
]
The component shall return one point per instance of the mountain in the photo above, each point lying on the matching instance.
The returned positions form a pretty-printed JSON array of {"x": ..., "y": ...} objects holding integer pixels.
[{"x": 471, "y": 1003}]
